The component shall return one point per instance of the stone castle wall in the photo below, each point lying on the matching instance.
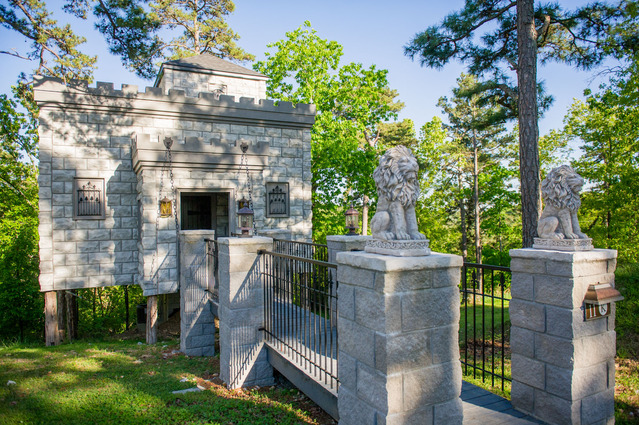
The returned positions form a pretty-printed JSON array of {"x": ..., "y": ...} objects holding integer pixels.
[
  {"x": 117, "y": 135},
  {"x": 194, "y": 83}
]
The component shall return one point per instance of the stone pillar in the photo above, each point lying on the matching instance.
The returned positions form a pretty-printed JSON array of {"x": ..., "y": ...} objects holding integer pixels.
[
  {"x": 344, "y": 243},
  {"x": 197, "y": 323},
  {"x": 51, "y": 331},
  {"x": 243, "y": 361},
  {"x": 398, "y": 339},
  {"x": 563, "y": 367},
  {"x": 152, "y": 319}
]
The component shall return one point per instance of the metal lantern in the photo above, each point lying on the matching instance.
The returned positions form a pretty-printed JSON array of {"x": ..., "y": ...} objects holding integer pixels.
[
  {"x": 352, "y": 221},
  {"x": 245, "y": 218},
  {"x": 166, "y": 207}
]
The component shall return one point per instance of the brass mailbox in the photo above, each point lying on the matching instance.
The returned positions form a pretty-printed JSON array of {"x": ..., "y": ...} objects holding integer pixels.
[{"x": 598, "y": 299}]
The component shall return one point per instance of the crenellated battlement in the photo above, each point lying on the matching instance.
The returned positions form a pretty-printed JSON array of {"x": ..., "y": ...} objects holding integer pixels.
[{"x": 54, "y": 90}]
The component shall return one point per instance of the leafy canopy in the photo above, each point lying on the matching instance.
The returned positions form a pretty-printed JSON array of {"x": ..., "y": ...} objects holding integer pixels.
[{"x": 351, "y": 101}]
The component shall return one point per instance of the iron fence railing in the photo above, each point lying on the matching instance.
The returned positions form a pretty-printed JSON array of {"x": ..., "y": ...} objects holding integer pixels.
[
  {"x": 485, "y": 323},
  {"x": 300, "y": 313},
  {"x": 212, "y": 266},
  {"x": 312, "y": 251}
]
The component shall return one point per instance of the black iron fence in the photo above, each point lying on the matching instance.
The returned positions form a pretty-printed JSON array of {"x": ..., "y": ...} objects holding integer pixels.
[
  {"x": 312, "y": 251},
  {"x": 300, "y": 312},
  {"x": 485, "y": 324},
  {"x": 212, "y": 265}
]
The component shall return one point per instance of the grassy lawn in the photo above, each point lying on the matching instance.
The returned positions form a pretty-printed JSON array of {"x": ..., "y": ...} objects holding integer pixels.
[
  {"x": 124, "y": 382},
  {"x": 483, "y": 322}
]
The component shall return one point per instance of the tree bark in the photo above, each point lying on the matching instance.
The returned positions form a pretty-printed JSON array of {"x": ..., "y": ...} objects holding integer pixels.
[
  {"x": 365, "y": 215},
  {"x": 528, "y": 129},
  {"x": 152, "y": 319},
  {"x": 476, "y": 200},
  {"x": 462, "y": 213},
  {"x": 72, "y": 314},
  {"x": 51, "y": 334}
]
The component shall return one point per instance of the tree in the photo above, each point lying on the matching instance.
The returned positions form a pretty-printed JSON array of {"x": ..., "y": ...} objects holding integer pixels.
[
  {"x": 351, "y": 101},
  {"x": 607, "y": 125},
  {"x": 513, "y": 32},
  {"x": 54, "y": 47},
  {"x": 18, "y": 222},
  {"x": 133, "y": 30},
  {"x": 477, "y": 129}
]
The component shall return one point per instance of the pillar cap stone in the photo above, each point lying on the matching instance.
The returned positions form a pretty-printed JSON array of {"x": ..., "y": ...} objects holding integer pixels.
[
  {"x": 245, "y": 241},
  {"x": 388, "y": 263},
  {"x": 577, "y": 256}
]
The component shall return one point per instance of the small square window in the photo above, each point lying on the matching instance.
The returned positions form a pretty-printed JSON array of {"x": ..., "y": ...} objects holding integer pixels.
[
  {"x": 88, "y": 198},
  {"x": 277, "y": 200}
]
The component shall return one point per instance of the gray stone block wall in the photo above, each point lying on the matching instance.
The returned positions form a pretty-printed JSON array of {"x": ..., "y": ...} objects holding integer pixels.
[
  {"x": 398, "y": 332},
  {"x": 563, "y": 367},
  {"x": 77, "y": 253},
  {"x": 243, "y": 360},
  {"x": 97, "y": 132},
  {"x": 194, "y": 83}
]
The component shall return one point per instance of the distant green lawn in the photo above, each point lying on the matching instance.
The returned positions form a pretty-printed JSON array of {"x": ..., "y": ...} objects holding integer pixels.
[{"x": 121, "y": 382}]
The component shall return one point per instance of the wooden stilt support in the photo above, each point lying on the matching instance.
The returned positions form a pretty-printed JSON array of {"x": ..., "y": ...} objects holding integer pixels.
[
  {"x": 51, "y": 334},
  {"x": 152, "y": 319}
]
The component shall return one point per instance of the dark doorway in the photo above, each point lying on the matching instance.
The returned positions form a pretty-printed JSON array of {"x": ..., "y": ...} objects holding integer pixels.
[{"x": 205, "y": 211}]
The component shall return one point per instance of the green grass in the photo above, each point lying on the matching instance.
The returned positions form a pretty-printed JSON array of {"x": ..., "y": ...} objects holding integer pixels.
[
  {"x": 483, "y": 323},
  {"x": 121, "y": 382}
]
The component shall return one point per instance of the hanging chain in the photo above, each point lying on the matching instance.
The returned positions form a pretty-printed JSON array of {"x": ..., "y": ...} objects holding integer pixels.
[
  {"x": 173, "y": 191},
  {"x": 249, "y": 183},
  {"x": 168, "y": 159}
]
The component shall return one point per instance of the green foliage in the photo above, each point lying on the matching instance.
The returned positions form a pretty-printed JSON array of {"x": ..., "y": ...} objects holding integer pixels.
[
  {"x": 142, "y": 32},
  {"x": 20, "y": 300},
  {"x": 351, "y": 101},
  {"x": 54, "y": 47},
  {"x": 580, "y": 37},
  {"x": 103, "y": 310},
  {"x": 607, "y": 125}
]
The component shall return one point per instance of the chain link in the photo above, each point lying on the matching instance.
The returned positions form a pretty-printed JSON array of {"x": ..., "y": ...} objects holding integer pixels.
[{"x": 249, "y": 184}]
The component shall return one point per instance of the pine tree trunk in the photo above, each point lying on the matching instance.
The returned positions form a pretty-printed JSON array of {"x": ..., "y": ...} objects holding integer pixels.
[
  {"x": 462, "y": 213},
  {"x": 476, "y": 201},
  {"x": 365, "y": 215},
  {"x": 528, "y": 129}
]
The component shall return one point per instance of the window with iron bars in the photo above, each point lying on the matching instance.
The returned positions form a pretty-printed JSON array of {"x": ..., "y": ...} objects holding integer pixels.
[{"x": 88, "y": 196}]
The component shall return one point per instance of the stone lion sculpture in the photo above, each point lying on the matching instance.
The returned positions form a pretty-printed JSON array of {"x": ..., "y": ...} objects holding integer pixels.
[
  {"x": 397, "y": 190},
  {"x": 560, "y": 191}
]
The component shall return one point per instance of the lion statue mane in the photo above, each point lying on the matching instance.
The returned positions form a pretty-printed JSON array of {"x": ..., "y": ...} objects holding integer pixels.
[
  {"x": 397, "y": 190},
  {"x": 560, "y": 191}
]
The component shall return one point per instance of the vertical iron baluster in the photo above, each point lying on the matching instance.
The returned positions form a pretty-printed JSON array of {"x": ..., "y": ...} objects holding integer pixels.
[{"x": 503, "y": 334}]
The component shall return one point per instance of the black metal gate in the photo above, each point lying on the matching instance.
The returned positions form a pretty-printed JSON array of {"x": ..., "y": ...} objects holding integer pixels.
[
  {"x": 485, "y": 324},
  {"x": 300, "y": 313}
]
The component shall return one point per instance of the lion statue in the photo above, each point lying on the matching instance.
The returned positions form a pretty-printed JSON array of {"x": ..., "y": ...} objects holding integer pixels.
[
  {"x": 397, "y": 190},
  {"x": 560, "y": 191}
]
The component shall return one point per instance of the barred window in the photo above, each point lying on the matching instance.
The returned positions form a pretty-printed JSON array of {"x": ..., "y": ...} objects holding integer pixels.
[
  {"x": 88, "y": 197},
  {"x": 277, "y": 200}
]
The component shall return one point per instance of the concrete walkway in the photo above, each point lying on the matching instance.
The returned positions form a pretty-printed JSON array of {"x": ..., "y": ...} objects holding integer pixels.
[{"x": 485, "y": 408}]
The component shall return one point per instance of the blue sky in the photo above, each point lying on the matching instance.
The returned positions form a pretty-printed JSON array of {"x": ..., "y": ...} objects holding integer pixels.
[{"x": 371, "y": 32}]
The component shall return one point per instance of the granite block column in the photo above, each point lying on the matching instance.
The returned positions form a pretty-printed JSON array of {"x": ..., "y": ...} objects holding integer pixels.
[
  {"x": 563, "y": 367},
  {"x": 398, "y": 339},
  {"x": 243, "y": 359},
  {"x": 197, "y": 323}
]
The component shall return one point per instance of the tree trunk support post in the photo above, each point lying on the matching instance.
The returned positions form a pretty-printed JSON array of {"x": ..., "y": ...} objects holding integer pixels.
[
  {"x": 152, "y": 319},
  {"x": 563, "y": 367},
  {"x": 51, "y": 331},
  {"x": 398, "y": 339}
]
